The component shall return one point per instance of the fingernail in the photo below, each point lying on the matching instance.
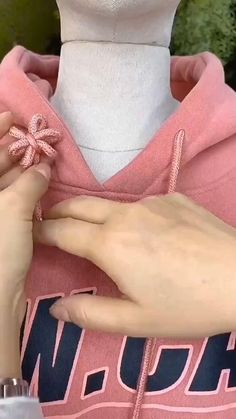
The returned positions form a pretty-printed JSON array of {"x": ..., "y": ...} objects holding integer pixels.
[
  {"x": 44, "y": 169},
  {"x": 5, "y": 114},
  {"x": 59, "y": 311}
]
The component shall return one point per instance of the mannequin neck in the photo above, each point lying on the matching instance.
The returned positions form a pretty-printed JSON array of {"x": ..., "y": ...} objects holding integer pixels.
[{"x": 114, "y": 98}]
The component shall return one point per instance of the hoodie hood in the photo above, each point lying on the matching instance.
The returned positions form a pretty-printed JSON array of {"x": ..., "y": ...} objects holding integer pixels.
[
  {"x": 196, "y": 146},
  {"x": 28, "y": 80}
]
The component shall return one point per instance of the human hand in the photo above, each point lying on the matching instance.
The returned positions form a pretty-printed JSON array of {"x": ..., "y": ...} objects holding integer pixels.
[
  {"x": 19, "y": 193},
  {"x": 173, "y": 262}
]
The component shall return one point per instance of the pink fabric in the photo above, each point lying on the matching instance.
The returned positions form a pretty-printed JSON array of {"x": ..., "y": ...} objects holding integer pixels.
[{"x": 207, "y": 174}]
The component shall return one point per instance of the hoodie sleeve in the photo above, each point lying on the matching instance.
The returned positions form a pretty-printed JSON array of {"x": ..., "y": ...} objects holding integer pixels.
[{"x": 20, "y": 408}]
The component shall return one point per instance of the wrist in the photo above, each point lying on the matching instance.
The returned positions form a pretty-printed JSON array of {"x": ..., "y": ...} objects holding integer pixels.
[
  {"x": 12, "y": 304},
  {"x": 226, "y": 285},
  {"x": 12, "y": 313},
  {"x": 10, "y": 326}
]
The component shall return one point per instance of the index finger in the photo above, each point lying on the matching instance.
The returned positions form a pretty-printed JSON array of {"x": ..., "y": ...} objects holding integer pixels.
[
  {"x": 76, "y": 237},
  {"x": 89, "y": 209}
]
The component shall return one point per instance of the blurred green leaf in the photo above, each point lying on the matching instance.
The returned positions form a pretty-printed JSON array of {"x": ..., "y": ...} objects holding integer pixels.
[
  {"x": 31, "y": 23},
  {"x": 205, "y": 25}
]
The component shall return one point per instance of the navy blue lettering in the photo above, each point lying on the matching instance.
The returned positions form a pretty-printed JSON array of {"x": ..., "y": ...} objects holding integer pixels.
[
  {"x": 53, "y": 380},
  {"x": 216, "y": 358},
  {"x": 94, "y": 382},
  {"x": 131, "y": 362},
  {"x": 170, "y": 367},
  {"x": 23, "y": 328}
]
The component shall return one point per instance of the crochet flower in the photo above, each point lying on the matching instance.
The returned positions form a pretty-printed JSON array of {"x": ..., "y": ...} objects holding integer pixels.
[{"x": 32, "y": 144}]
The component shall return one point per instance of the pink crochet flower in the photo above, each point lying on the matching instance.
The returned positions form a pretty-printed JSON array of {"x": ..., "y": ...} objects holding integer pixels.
[{"x": 32, "y": 144}]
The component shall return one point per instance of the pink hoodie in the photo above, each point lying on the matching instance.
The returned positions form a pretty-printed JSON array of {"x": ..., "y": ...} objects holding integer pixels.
[{"x": 82, "y": 374}]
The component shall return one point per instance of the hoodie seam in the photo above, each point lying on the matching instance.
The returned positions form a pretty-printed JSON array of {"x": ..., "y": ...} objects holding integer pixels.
[
  {"x": 75, "y": 191},
  {"x": 58, "y": 186}
]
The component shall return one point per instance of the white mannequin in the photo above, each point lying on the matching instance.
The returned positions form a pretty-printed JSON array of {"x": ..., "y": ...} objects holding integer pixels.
[{"x": 114, "y": 80}]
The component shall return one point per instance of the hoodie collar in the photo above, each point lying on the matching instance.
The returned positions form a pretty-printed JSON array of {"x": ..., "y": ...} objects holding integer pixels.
[{"x": 27, "y": 81}]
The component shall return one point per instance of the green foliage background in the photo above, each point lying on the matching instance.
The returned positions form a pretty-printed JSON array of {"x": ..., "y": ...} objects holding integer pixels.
[
  {"x": 32, "y": 23},
  {"x": 207, "y": 25},
  {"x": 200, "y": 25}
]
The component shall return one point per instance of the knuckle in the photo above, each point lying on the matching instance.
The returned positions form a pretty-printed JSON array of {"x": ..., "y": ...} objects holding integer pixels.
[
  {"x": 101, "y": 238},
  {"x": 92, "y": 244},
  {"x": 106, "y": 239},
  {"x": 105, "y": 244},
  {"x": 80, "y": 316},
  {"x": 134, "y": 211},
  {"x": 60, "y": 232}
]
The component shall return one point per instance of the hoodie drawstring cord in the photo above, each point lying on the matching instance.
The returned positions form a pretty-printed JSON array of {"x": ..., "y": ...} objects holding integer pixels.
[
  {"x": 176, "y": 161},
  {"x": 147, "y": 357},
  {"x": 151, "y": 343}
]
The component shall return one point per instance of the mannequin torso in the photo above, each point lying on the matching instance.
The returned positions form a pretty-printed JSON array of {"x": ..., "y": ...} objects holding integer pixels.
[{"x": 114, "y": 80}]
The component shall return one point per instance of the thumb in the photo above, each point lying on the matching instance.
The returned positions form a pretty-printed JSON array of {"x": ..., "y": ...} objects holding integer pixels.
[
  {"x": 103, "y": 314},
  {"x": 31, "y": 186}
]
